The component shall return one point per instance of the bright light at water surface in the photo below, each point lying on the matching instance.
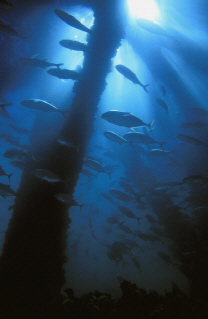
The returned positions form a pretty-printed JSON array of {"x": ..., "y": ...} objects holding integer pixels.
[{"x": 146, "y": 9}]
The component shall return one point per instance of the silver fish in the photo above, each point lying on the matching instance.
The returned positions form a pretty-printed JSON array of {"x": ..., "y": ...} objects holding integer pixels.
[
  {"x": 41, "y": 105},
  {"x": 141, "y": 138},
  {"x": 96, "y": 166},
  {"x": 120, "y": 195},
  {"x": 152, "y": 27},
  {"x": 14, "y": 153},
  {"x": 5, "y": 190},
  {"x": 197, "y": 124},
  {"x": 67, "y": 200},
  {"x": 158, "y": 152},
  {"x": 130, "y": 75},
  {"x": 115, "y": 137},
  {"x": 46, "y": 175},
  {"x": 191, "y": 140}
]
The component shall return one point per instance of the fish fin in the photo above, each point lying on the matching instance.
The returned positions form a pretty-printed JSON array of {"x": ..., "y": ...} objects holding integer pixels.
[
  {"x": 4, "y": 105},
  {"x": 173, "y": 151},
  {"x": 34, "y": 56},
  {"x": 161, "y": 145},
  {"x": 80, "y": 206},
  {"x": 63, "y": 113},
  {"x": 9, "y": 176},
  {"x": 150, "y": 126},
  {"x": 144, "y": 87},
  {"x": 109, "y": 174},
  {"x": 138, "y": 219},
  {"x": 59, "y": 64}
]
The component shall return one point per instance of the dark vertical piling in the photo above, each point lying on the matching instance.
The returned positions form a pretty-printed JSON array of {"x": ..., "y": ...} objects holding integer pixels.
[{"x": 31, "y": 265}]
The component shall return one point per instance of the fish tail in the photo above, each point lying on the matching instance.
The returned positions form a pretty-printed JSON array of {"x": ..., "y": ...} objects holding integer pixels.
[
  {"x": 144, "y": 87},
  {"x": 80, "y": 206},
  {"x": 150, "y": 126},
  {"x": 109, "y": 174},
  {"x": 59, "y": 64},
  {"x": 173, "y": 151},
  {"x": 64, "y": 113},
  {"x": 9, "y": 176},
  {"x": 4, "y": 105},
  {"x": 138, "y": 219},
  {"x": 161, "y": 145}
]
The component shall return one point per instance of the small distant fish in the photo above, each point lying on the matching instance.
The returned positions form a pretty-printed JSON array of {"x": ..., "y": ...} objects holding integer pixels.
[
  {"x": 67, "y": 200},
  {"x": 199, "y": 111},
  {"x": 41, "y": 105},
  {"x": 137, "y": 137},
  {"x": 127, "y": 187},
  {"x": 96, "y": 166},
  {"x": 65, "y": 142},
  {"x": 163, "y": 104},
  {"x": 128, "y": 213},
  {"x": 71, "y": 20},
  {"x": 7, "y": 30},
  {"x": 73, "y": 45},
  {"x": 46, "y": 175},
  {"x": 125, "y": 119},
  {"x": 120, "y": 195},
  {"x": 191, "y": 140},
  {"x": 136, "y": 264},
  {"x": 130, "y": 75},
  {"x": 125, "y": 228},
  {"x": 115, "y": 137},
  {"x": 5, "y": 190},
  {"x": 41, "y": 63},
  {"x": 150, "y": 219},
  {"x": 3, "y": 173},
  {"x": 64, "y": 74},
  {"x": 197, "y": 124},
  {"x": 158, "y": 152},
  {"x": 152, "y": 27},
  {"x": 87, "y": 173},
  {"x": 18, "y": 164},
  {"x": 112, "y": 220},
  {"x": 19, "y": 130},
  {"x": 14, "y": 153},
  {"x": 6, "y": 5},
  {"x": 165, "y": 258},
  {"x": 163, "y": 90},
  {"x": 199, "y": 178},
  {"x": 108, "y": 197}
]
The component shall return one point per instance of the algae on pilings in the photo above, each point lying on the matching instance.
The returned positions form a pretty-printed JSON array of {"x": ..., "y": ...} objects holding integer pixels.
[{"x": 31, "y": 265}]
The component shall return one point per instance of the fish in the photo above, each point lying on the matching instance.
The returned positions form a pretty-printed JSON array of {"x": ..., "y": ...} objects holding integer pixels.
[
  {"x": 152, "y": 27},
  {"x": 128, "y": 213},
  {"x": 6, "y": 5},
  {"x": 71, "y": 20},
  {"x": 112, "y": 219},
  {"x": 127, "y": 73},
  {"x": 14, "y": 153},
  {"x": 64, "y": 74},
  {"x": 115, "y": 137},
  {"x": 162, "y": 103},
  {"x": 136, "y": 264},
  {"x": 19, "y": 130},
  {"x": 63, "y": 141},
  {"x": 165, "y": 257},
  {"x": 150, "y": 219},
  {"x": 158, "y": 152},
  {"x": 125, "y": 119},
  {"x": 67, "y": 199},
  {"x": 148, "y": 237},
  {"x": 96, "y": 166},
  {"x": 3, "y": 111},
  {"x": 41, "y": 105},
  {"x": 40, "y": 63},
  {"x": 199, "y": 111},
  {"x": 125, "y": 228},
  {"x": 87, "y": 173},
  {"x": 163, "y": 90},
  {"x": 107, "y": 197},
  {"x": 136, "y": 137},
  {"x": 7, "y": 30},
  {"x": 73, "y": 45},
  {"x": 198, "y": 178},
  {"x": 191, "y": 140},
  {"x": 5, "y": 190},
  {"x": 120, "y": 195},
  {"x": 127, "y": 187},
  {"x": 18, "y": 164},
  {"x": 3, "y": 173},
  {"x": 46, "y": 175},
  {"x": 197, "y": 124}
]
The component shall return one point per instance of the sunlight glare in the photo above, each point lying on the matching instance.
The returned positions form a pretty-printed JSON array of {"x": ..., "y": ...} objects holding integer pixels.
[{"x": 146, "y": 9}]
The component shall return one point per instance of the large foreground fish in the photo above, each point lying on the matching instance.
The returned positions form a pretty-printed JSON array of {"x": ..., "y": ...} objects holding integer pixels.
[
  {"x": 141, "y": 138},
  {"x": 41, "y": 105},
  {"x": 41, "y": 63},
  {"x": 115, "y": 137},
  {"x": 125, "y": 119},
  {"x": 71, "y": 20},
  {"x": 64, "y": 74},
  {"x": 130, "y": 75},
  {"x": 191, "y": 140}
]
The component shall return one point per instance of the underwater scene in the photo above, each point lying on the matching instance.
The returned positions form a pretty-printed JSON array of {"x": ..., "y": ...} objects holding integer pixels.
[{"x": 103, "y": 159}]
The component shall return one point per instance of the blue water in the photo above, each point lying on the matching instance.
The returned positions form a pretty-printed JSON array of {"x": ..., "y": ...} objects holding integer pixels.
[{"x": 179, "y": 63}]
